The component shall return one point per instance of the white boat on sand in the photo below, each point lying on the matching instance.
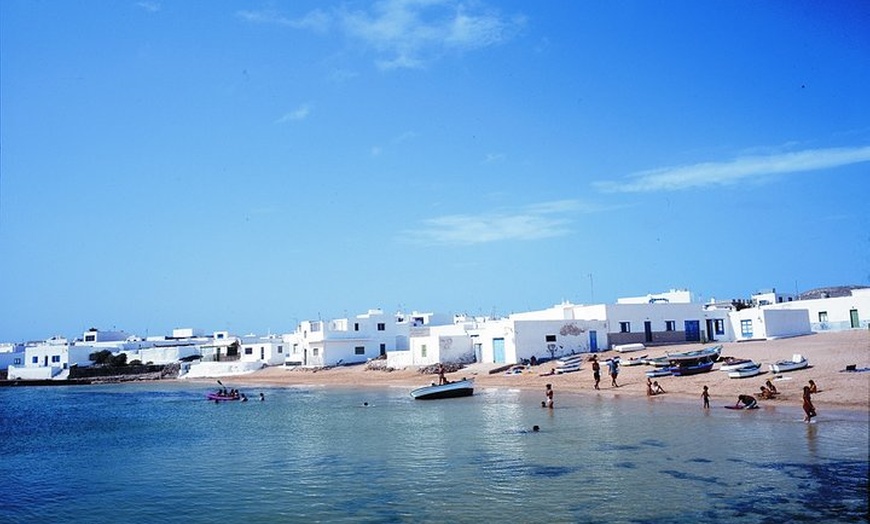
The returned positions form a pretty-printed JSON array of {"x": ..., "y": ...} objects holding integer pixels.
[
  {"x": 797, "y": 362},
  {"x": 745, "y": 371}
]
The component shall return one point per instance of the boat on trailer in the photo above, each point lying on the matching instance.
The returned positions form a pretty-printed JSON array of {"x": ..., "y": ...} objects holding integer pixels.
[{"x": 459, "y": 388}]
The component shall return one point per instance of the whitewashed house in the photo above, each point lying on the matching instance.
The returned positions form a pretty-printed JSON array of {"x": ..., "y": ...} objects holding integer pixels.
[
  {"x": 11, "y": 355},
  {"x": 319, "y": 343},
  {"x": 543, "y": 334},
  {"x": 833, "y": 309},
  {"x": 48, "y": 359},
  {"x": 433, "y": 344},
  {"x": 268, "y": 350}
]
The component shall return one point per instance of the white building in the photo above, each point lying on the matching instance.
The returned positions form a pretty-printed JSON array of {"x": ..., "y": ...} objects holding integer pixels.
[
  {"x": 48, "y": 359},
  {"x": 321, "y": 343},
  {"x": 835, "y": 309},
  {"x": 433, "y": 344},
  {"x": 268, "y": 350}
]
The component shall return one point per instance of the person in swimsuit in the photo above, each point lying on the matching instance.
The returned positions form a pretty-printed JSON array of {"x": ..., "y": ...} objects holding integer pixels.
[
  {"x": 596, "y": 370},
  {"x": 809, "y": 409},
  {"x": 706, "y": 396},
  {"x": 549, "y": 396},
  {"x": 748, "y": 401}
]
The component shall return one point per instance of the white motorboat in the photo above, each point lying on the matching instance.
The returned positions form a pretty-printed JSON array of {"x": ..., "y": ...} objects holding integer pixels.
[
  {"x": 459, "y": 388},
  {"x": 745, "y": 371},
  {"x": 731, "y": 363},
  {"x": 797, "y": 362}
]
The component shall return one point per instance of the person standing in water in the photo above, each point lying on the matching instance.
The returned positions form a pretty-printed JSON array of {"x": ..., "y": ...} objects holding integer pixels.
[
  {"x": 549, "y": 396},
  {"x": 706, "y": 396},
  {"x": 809, "y": 409}
]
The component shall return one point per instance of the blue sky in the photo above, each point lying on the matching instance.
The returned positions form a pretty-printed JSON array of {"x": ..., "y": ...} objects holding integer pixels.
[{"x": 247, "y": 165}]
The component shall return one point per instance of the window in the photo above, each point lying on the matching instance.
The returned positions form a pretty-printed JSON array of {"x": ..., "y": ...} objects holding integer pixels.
[
  {"x": 315, "y": 352},
  {"x": 90, "y": 338},
  {"x": 280, "y": 349},
  {"x": 823, "y": 316},
  {"x": 359, "y": 350},
  {"x": 625, "y": 327},
  {"x": 719, "y": 326},
  {"x": 670, "y": 325},
  {"x": 55, "y": 358},
  {"x": 36, "y": 360},
  {"x": 381, "y": 326},
  {"x": 17, "y": 361},
  {"x": 249, "y": 350},
  {"x": 356, "y": 326},
  {"x": 746, "y": 328},
  {"x": 423, "y": 350},
  {"x": 551, "y": 338}
]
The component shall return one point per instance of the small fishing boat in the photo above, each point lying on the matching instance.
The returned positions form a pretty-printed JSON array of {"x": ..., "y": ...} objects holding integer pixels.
[
  {"x": 682, "y": 368},
  {"x": 634, "y": 361},
  {"x": 569, "y": 364},
  {"x": 745, "y": 371},
  {"x": 797, "y": 362},
  {"x": 731, "y": 363},
  {"x": 659, "y": 362},
  {"x": 712, "y": 352},
  {"x": 459, "y": 388}
]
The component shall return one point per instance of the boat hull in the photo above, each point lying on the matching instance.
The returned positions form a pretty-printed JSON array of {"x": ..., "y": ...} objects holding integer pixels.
[
  {"x": 745, "y": 372},
  {"x": 785, "y": 366},
  {"x": 691, "y": 369},
  {"x": 461, "y": 388}
]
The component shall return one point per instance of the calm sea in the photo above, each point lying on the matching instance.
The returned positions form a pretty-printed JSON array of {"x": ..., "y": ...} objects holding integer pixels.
[{"x": 158, "y": 452}]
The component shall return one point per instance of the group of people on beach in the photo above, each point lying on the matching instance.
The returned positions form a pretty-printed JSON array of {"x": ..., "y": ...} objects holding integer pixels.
[
  {"x": 769, "y": 391},
  {"x": 612, "y": 368}
]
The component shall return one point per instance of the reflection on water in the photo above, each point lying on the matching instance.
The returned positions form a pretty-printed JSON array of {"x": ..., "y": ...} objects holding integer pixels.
[{"x": 318, "y": 454}]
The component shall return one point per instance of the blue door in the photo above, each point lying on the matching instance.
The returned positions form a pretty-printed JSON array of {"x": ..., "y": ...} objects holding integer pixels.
[
  {"x": 593, "y": 341},
  {"x": 498, "y": 350},
  {"x": 693, "y": 331}
]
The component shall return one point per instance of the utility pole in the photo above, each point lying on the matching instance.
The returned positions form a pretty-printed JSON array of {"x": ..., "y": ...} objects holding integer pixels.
[{"x": 591, "y": 289}]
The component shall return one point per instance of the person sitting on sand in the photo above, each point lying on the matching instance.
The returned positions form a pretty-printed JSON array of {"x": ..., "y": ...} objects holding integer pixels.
[
  {"x": 765, "y": 393},
  {"x": 813, "y": 388},
  {"x": 657, "y": 389},
  {"x": 771, "y": 387},
  {"x": 748, "y": 402}
]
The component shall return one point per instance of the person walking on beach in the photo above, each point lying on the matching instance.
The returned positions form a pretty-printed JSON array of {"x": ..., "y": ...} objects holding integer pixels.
[
  {"x": 706, "y": 396},
  {"x": 613, "y": 367},
  {"x": 809, "y": 409},
  {"x": 549, "y": 397},
  {"x": 596, "y": 371}
]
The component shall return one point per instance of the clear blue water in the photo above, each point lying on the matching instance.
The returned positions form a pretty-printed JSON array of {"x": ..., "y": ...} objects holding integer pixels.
[{"x": 158, "y": 452}]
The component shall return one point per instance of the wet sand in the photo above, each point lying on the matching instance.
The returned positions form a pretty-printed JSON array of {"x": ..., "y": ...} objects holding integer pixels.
[{"x": 828, "y": 354}]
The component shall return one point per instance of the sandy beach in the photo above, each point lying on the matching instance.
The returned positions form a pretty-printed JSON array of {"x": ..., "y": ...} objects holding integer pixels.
[{"x": 828, "y": 355}]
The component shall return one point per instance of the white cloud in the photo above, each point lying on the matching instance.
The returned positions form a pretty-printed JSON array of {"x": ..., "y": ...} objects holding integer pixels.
[
  {"x": 533, "y": 222},
  {"x": 737, "y": 170},
  {"x": 406, "y": 33},
  {"x": 151, "y": 7},
  {"x": 300, "y": 113},
  {"x": 316, "y": 20}
]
